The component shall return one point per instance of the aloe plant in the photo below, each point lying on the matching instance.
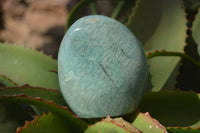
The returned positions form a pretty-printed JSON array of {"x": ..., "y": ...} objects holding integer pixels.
[{"x": 167, "y": 33}]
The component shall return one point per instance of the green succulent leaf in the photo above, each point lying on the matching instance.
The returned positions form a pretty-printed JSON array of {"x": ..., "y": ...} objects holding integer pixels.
[
  {"x": 192, "y": 4},
  {"x": 183, "y": 130},
  {"x": 109, "y": 125},
  {"x": 58, "y": 110},
  {"x": 145, "y": 123},
  {"x": 173, "y": 108},
  {"x": 12, "y": 116},
  {"x": 75, "y": 12},
  {"x": 118, "y": 9},
  {"x": 48, "y": 124},
  {"x": 160, "y": 24},
  {"x": 6, "y": 81},
  {"x": 27, "y": 66},
  {"x": 122, "y": 9},
  {"x": 196, "y": 31},
  {"x": 45, "y": 94}
]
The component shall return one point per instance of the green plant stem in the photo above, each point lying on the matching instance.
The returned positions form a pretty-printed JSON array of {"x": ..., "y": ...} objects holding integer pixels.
[
  {"x": 118, "y": 9},
  {"x": 93, "y": 8},
  {"x": 170, "y": 53}
]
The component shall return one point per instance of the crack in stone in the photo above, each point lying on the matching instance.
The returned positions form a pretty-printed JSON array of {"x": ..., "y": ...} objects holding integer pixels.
[{"x": 106, "y": 73}]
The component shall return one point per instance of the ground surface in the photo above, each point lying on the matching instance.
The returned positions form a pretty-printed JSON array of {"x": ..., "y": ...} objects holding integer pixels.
[{"x": 36, "y": 24}]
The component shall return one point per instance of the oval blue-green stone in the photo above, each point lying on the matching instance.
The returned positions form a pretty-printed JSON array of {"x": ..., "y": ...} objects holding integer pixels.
[{"x": 102, "y": 68}]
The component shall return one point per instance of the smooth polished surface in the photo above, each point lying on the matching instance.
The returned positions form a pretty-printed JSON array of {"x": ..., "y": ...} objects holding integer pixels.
[{"x": 102, "y": 68}]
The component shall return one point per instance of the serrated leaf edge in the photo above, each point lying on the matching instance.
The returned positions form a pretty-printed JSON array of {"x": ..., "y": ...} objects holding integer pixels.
[
  {"x": 176, "y": 90},
  {"x": 198, "y": 128},
  {"x": 119, "y": 123},
  {"x": 27, "y": 123},
  {"x": 41, "y": 100},
  {"x": 10, "y": 80},
  {"x": 155, "y": 121},
  {"x": 131, "y": 14},
  {"x": 20, "y": 90},
  {"x": 34, "y": 87},
  {"x": 61, "y": 111}
]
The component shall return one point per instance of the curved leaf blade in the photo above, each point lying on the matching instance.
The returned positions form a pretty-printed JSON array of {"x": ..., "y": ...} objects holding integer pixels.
[
  {"x": 11, "y": 117},
  {"x": 47, "y": 123},
  {"x": 74, "y": 13},
  {"x": 193, "y": 4},
  {"x": 196, "y": 31},
  {"x": 183, "y": 130},
  {"x": 26, "y": 66},
  {"x": 160, "y": 24},
  {"x": 6, "y": 81},
  {"x": 145, "y": 123},
  {"x": 109, "y": 125},
  {"x": 45, "y": 94},
  {"x": 173, "y": 108},
  {"x": 58, "y": 110}
]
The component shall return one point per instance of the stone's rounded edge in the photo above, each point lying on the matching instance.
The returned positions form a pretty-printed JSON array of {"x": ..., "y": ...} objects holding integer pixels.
[{"x": 61, "y": 64}]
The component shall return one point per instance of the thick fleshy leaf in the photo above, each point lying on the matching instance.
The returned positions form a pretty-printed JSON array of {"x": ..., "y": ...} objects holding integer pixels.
[
  {"x": 6, "y": 81},
  {"x": 26, "y": 66},
  {"x": 173, "y": 108},
  {"x": 145, "y": 123},
  {"x": 196, "y": 125},
  {"x": 75, "y": 12},
  {"x": 117, "y": 9},
  {"x": 45, "y": 94},
  {"x": 160, "y": 24},
  {"x": 58, "y": 110},
  {"x": 48, "y": 124},
  {"x": 192, "y": 4},
  {"x": 122, "y": 9},
  {"x": 196, "y": 31},
  {"x": 183, "y": 130},
  {"x": 109, "y": 125},
  {"x": 11, "y": 117}
]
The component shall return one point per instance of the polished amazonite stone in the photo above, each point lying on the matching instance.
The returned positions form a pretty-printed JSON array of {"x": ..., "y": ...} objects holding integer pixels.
[{"x": 102, "y": 68}]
